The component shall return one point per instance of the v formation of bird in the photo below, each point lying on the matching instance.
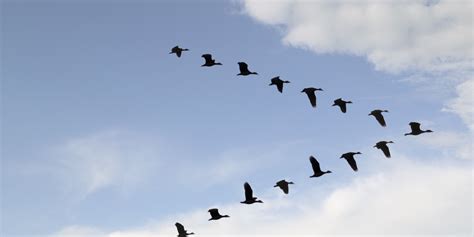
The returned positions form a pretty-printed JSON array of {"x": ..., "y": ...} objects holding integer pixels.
[{"x": 317, "y": 172}]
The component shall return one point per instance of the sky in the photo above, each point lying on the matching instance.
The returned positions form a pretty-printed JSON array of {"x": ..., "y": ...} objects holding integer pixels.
[{"x": 104, "y": 133}]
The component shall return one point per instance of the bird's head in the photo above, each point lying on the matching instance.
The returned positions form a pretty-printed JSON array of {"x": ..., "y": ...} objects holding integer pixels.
[
  {"x": 328, "y": 172},
  {"x": 357, "y": 153},
  {"x": 428, "y": 130},
  {"x": 318, "y": 89},
  {"x": 291, "y": 182},
  {"x": 386, "y": 111},
  {"x": 390, "y": 142}
]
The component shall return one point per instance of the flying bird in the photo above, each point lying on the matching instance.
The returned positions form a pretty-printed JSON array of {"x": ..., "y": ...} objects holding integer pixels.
[
  {"x": 378, "y": 115},
  {"x": 349, "y": 156},
  {"x": 415, "y": 129},
  {"x": 316, "y": 168},
  {"x": 311, "y": 92},
  {"x": 279, "y": 83},
  {"x": 382, "y": 145},
  {"x": 283, "y": 184},
  {"x": 244, "y": 69},
  {"x": 215, "y": 215},
  {"x": 249, "y": 198},
  {"x": 342, "y": 104},
  {"x": 178, "y": 51},
  {"x": 181, "y": 231},
  {"x": 209, "y": 61}
]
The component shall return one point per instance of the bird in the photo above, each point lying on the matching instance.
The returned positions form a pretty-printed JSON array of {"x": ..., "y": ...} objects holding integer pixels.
[
  {"x": 209, "y": 61},
  {"x": 279, "y": 83},
  {"x": 382, "y": 145},
  {"x": 342, "y": 104},
  {"x": 349, "y": 156},
  {"x": 181, "y": 231},
  {"x": 310, "y": 91},
  {"x": 249, "y": 198},
  {"x": 415, "y": 129},
  {"x": 316, "y": 168},
  {"x": 378, "y": 115},
  {"x": 177, "y": 50},
  {"x": 215, "y": 215},
  {"x": 283, "y": 184},
  {"x": 244, "y": 69}
]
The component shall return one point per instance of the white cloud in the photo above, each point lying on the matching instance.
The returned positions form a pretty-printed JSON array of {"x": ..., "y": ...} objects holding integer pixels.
[
  {"x": 463, "y": 104},
  {"x": 394, "y": 35},
  {"x": 406, "y": 198},
  {"x": 106, "y": 159}
]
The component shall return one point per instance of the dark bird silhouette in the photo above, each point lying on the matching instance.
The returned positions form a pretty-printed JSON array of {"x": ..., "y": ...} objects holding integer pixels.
[
  {"x": 249, "y": 198},
  {"x": 342, "y": 104},
  {"x": 178, "y": 51},
  {"x": 316, "y": 168},
  {"x": 378, "y": 115},
  {"x": 415, "y": 129},
  {"x": 382, "y": 145},
  {"x": 311, "y": 92},
  {"x": 283, "y": 184},
  {"x": 244, "y": 69},
  {"x": 181, "y": 231},
  {"x": 215, "y": 215},
  {"x": 209, "y": 61},
  {"x": 279, "y": 83},
  {"x": 349, "y": 156}
]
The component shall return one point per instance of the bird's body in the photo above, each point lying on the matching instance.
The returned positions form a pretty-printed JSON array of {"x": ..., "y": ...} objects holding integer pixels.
[
  {"x": 244, "y": 69},
  {"x": 283, "y": 185},
  {"x": 415, "y": 129},
  {"x": 215, "y": 215},
  {"x": 379, "y": 117},
  {"x": 178, "y": 51},
  {"x": 382, "y": 145},
  {"x": 342, "y": 104},
  {"x": 209, "y": 61},
  {"x": 279, "y": 83},
  {"x": 249, "y": 198},
  {"x": 311, "y": 92},
  {"x": 316, "y": 168},
  {"x": 181, "y": 231},
  {"x": 349, "y": 156}
]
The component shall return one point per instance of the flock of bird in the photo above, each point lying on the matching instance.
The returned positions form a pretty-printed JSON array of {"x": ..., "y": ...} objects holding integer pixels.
[{"x": 317, "y": 172}]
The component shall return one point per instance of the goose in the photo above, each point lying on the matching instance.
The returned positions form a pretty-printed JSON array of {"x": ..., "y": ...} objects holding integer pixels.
[
  {"x": 215, "y": 215},
  {"x": 177, "y": 50},
  {"x": 311, "y": 92},
  {"x": 378, "y": 115},
  {"x": 244, "y": 69},
  {"x": 316, "y": 168},
  {"x": 382, "y": 145},
  {"x": 283, "y": 184},
  {"x": 415, "y": 129},
  {"x": 209, "y": 61},
  {"x": 249, "y": 198},
  {"x": 181, "y": 231},
  {"x": 279, "y": 83},
  {"x": 349, "y": 156},
  {"x": 342, "y": 104}
]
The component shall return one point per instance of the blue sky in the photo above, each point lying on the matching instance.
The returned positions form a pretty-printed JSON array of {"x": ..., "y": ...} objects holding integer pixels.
[{"x": 104, "y": 131}]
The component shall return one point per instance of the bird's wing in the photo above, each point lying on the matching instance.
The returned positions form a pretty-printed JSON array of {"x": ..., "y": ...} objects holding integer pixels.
[
  {"x": 207, "y": 57},
  {"x": 280, "y": 86},
  {"x": 385, "y": 150},
  {"x": 180, "y": 228},
  {"x": 312, "y": 98},
  {"x": 214, "y": 212},
  {"x": 178, "y": 53},
  {"x": 342, "y": 105},
  {"x": 248, "y": 192},
  {"x": 284, "y": 187},
  {"x": 352, "y": 163},
  {"x": 415, "y": 126},
  {"x": 315, "y": 165},
  {"x": 243, "y": 67},
  {"x": 380, "y": 119}
]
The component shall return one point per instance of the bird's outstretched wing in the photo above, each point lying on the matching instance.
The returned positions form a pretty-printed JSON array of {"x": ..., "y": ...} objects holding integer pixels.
[
  {"x": 284, "y": 187},
  {"x": 385, "y": 150},
  {"x": 243, "y": 67},
  {"x": 208, "y": 58},
  {"x": 342, "y": 105},
  {"x": 178, "y": 53},
  {"x": 415, "y": 126},
  {"x": 180, "y": 228},
  {"x": 352, "y": 162},
  {"x": 380, "y": 119},
  {"x": 315, "y": 165},
  {"x": 248, "y": 191},
  {"x": 312, "y": 98},
  {"x": 280, "y": 86}
]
